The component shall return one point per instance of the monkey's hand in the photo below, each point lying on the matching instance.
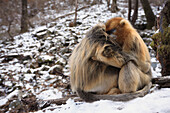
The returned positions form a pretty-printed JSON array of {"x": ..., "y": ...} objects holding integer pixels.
[
  {"x": 109, "y": 51},
  {"x": 128, "y": 58},
  {"x": 110, "y": 54},
  {"x": 143, "y": 66}
]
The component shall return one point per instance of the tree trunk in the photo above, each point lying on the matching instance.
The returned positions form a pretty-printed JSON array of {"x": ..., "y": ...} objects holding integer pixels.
[
  {"x": 9, "y": 29},
  {"x": 94, "y": 2},
  {"x": 75, "y": 19},
  {"x": 130, "y": 9},
  {"x": 135, "y": 14},
  {"x": 114, "y": 7},
  {"x": 108, "y": 3},
  {"x": 101, "y": 1},
  {"x": 150, "y": 17},
  {"x": 24, "y": 17},
  {"x": 161, "y": 43},
  {"x": 164, "y": 51}
]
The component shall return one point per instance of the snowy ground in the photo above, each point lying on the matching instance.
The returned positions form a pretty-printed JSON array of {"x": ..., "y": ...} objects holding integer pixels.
[
  {"x": 156, "y": 102},
  {"x": 32, "y": 66}
]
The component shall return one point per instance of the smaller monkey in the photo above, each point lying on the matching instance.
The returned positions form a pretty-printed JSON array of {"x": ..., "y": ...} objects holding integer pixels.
[{"x": 131, "y": 43}]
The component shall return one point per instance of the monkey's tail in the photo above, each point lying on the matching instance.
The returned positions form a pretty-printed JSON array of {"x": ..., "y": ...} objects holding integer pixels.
[{"x": 89, "y": 97}]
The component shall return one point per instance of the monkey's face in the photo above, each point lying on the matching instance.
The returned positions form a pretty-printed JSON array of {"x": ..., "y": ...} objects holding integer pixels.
[{"x": 115, "y": 25}]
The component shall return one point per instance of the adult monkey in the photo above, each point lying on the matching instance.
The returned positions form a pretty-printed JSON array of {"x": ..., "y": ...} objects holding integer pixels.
[{"x": 93, "y": 67}]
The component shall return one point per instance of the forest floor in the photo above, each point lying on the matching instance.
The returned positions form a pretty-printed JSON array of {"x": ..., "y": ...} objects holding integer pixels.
[{"x": 34, "y": 66}]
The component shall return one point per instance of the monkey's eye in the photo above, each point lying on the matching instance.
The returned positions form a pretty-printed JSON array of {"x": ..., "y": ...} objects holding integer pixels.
[{"x": 111, "y": 31}]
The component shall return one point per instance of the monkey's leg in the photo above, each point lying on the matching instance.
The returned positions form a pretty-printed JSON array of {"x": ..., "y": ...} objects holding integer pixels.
[
  {"x": 145, "y": 66},
  {"x": 131, "y": 78}
]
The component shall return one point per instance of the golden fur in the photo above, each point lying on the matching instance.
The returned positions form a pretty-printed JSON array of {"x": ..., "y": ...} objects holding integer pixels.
[{"x": 133, "y": 45}]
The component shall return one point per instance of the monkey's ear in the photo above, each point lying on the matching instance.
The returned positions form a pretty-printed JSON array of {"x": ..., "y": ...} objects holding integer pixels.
[{"x": 122, "y": 23}]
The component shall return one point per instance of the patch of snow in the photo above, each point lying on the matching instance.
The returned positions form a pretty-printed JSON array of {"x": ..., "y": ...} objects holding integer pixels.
[
  {"x": 50, "y": 94},
  {"x": 41, "y": 28},
  {"x": 47, "y": 57},
  {"x": 5, "y": 100},
  {"x": 28, "y": 77},
  {"x": 41, "y": 33},
  {"x": 157, "y": 102}
]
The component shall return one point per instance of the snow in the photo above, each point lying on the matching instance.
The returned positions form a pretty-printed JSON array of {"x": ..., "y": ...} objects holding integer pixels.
[
  {"x": 46, "y": 57},
  {"x": 28, "y": 76},
  {"x": 157, "y": 102},
  {"x": 40, "y": 28},
  {"x": 50, "y": 94},
  {"x": 5, "y": 100}
]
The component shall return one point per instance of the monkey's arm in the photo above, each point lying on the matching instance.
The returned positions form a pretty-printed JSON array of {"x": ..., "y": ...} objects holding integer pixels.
[
  {"x": 112, "y": 55},
  {"x": 144, "y": 66},
  {"x": 135, "y": 50}
]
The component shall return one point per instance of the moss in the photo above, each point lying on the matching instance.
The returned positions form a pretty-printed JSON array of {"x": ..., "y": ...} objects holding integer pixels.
[
  {"x": 156, "y": 36},
  {"x": 164, "y": 23},
  {"x": 152, "y": 44},
  {"x": 161, "y": 41},
  {"x": 156, "y": 41},
  {"x": 166, "y": 36},
  {"x": 164, "y": 50}
]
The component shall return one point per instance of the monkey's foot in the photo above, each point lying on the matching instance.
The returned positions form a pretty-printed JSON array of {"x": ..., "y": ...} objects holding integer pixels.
[{"x": 114, "y": 91}]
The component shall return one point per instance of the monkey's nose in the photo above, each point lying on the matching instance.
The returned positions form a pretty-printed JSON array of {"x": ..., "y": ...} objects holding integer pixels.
[{"x": 111, "y": 31}]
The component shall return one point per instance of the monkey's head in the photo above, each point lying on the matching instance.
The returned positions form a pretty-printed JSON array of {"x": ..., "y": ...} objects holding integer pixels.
[
  {"x": 117, "y": 26},
  {"x": 98, "y": 32}
]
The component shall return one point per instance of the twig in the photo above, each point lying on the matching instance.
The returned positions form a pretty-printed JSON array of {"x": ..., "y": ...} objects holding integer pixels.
[{"x": 71, "y": 13}]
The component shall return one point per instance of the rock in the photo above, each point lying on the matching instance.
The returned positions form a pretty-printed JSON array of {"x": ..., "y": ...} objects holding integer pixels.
[
  {"x": 57, "y": 69},
  {"x": 20, "y": 57},
  {"x": 45, "y": 68},
  {"x": 45, "y": 60},
  {"x": 51, "y": 24},
  {"x": 16, "y": 104}
]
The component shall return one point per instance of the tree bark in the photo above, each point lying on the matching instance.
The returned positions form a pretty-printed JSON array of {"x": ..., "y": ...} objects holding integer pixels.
[
  {"x": 114, "y": 7},
  {"x": 150, "y": 17},
  {"x": 9, "y": 29},
  {"x": 94, "y": 2},
  {"x": 129, "y": 9},
  {"x": 24, "y": 17},
  {"x": 75, "y": 19},
  {"x": 161, "y": 43},
  {"x": 135, "y": 14},
  {"x": 108, "y": 3}
]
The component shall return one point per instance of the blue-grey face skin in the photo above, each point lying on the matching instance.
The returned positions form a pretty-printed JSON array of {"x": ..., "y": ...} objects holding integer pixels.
[{"x": 111, "y": 33}]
